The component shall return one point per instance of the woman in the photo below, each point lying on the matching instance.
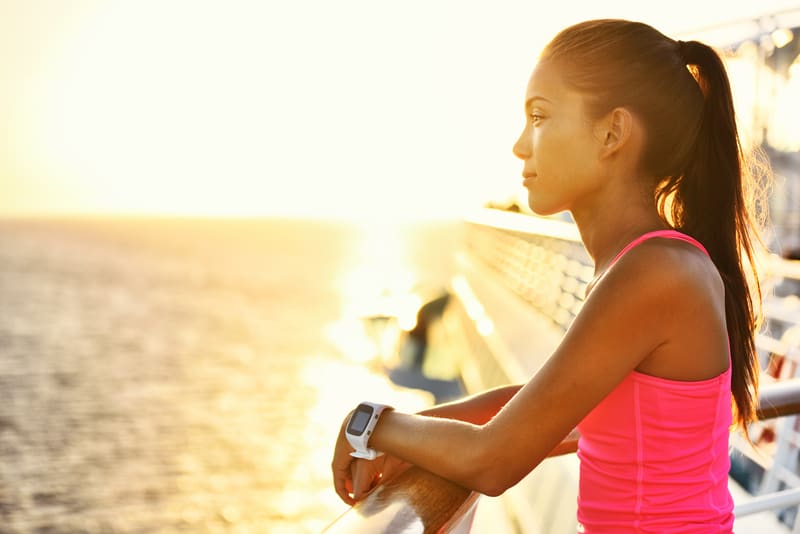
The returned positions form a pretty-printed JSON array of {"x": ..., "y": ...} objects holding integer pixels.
[{"x": 633, "y": 133}]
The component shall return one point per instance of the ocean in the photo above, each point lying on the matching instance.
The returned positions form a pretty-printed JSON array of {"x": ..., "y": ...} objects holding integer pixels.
[{"x": 190, "y": 375}]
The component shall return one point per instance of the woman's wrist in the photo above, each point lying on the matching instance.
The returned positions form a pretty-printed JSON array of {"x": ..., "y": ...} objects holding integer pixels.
[
  {"x": 360, "y": 428},
  {"x": 389, "y": 432}
]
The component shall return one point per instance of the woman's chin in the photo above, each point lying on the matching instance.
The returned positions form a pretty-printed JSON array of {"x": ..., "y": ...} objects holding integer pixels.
[{"x": 540, "y": 208}]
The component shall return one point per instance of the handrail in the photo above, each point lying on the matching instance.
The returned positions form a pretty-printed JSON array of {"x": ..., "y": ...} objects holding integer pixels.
[
  {"x": 527, "y": 224},
  {"x": 777, "y": 266},
  {"x": 770, "y": 501},
  {"x": 420, "y": 502},
  {"x": 416, "y": 501},
  {"x": 776, "y": 399}
]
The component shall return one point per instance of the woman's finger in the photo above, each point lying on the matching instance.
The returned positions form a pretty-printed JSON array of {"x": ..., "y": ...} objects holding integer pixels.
[
  {"x": 363, "y": 473},
  {"x": 342, "y": 477},
  {"x": 340, "y": 467},
  {"x": 343, "y": 484}
]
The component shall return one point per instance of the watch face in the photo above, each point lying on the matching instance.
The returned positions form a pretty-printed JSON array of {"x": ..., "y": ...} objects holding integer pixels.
[{"x": 359, "y": 420}]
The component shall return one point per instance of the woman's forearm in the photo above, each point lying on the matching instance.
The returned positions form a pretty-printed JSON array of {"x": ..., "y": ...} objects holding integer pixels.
[
  {"x": 459, "y": 442},
  {"x": 477, "y": 409},
  {"x": 449, "y": 447}
]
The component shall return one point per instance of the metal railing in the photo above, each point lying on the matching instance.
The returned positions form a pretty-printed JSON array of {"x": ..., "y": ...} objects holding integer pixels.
[
  {"x": 417, "y": 501},
  {"x": 522, "y": 251}
]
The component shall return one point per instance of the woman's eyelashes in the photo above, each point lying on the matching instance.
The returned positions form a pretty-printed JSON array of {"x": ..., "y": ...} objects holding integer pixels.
[{"x": 536, "y": 117}]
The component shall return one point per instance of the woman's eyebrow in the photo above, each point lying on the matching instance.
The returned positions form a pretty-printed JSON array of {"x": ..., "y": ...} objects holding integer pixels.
[{"x": 534, "y": 98}]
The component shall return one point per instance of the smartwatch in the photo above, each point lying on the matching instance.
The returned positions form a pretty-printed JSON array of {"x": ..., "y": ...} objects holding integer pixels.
[{"x": 359, "y": 429}]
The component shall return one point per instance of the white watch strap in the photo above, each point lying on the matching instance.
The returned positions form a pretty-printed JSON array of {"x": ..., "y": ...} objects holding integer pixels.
[{"x": 360, "y": 426}]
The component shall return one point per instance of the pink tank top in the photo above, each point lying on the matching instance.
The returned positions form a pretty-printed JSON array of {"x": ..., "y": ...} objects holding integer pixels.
[{"x": 654, "y": 453}]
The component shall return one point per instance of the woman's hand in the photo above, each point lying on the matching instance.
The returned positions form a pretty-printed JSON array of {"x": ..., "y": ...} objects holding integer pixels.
[{"x": 353, "y": 478}]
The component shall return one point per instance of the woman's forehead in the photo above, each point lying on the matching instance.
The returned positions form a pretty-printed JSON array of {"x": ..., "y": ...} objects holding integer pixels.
[{"x": 547, "y": 85}]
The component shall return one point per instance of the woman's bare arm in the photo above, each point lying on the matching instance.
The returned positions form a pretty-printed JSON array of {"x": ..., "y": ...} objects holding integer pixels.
[
  {"x": 477, "y": 409},
  {"x": 626, "y": 317},
  {"x": 480, "y": 408}
]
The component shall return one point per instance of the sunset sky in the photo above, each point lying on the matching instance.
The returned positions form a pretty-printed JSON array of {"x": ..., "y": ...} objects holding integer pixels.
[{"x": 350, "y": 108}]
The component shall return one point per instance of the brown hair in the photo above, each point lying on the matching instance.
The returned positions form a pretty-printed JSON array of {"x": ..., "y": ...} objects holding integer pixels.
[{"x": 681, "y": 93}]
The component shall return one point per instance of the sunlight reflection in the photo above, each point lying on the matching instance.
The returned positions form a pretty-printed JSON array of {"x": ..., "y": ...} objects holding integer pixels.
[
  {"x": 485, "y": 326},
  {"x": 379, "y": 294},
  {"x": 382, "y": 280},
  {"x": 322, "y": 422},
  {"x": 471, "y": 303},
  {"x": 782, "y": 37},
  {"x": 743, "y": 72},
  {"x": 783, "y": 133},
  {"x": 473, "y": 307},
  {"x": 350, "y": 337},
  {"x": 765, "y": 98}
]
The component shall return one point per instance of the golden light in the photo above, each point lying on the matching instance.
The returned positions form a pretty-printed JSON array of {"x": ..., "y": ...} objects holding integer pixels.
[
  {"x": 743, "y": 70},
  {"x": 782, "y": 37},
  {"x": 783, "y": 133},
  {"x": 322, "y": 426},
  {"x": 157, "y": 123},
  {"x": 238, "y": 109},
  {"x": 253, "y": 108},
  {"x": 378, "y": 293},
  {"x": 381, "y": 281}
]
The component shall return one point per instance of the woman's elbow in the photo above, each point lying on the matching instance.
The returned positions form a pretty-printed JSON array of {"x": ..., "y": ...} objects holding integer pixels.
[
  {"x": 494, "y": 489},
  {"x": 495, "y": 483},
  {"x": 495, "y": 474}
]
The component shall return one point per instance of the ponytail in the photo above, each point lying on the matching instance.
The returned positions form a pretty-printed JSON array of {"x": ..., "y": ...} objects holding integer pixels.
[{"x": 711, "y": 202}]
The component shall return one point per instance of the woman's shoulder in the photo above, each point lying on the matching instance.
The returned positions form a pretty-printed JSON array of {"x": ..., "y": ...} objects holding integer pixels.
[
  {"x": 687, "y": 301},
  {"x": 658, "y": 304},
  {"x": 669, "y": 294},
  {"x": 665, "y": 278},
  {"x": 671, "y": 264}
]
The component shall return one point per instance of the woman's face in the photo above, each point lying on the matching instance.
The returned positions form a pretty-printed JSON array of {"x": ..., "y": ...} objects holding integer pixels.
[{"x": 558, "y": 146}]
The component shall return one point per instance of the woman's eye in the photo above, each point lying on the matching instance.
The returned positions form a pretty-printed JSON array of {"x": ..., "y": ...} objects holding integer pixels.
[{"x": 536, "y": 118}]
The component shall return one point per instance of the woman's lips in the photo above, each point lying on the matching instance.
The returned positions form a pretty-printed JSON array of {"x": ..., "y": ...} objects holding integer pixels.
[{"x": 528, "y": 180}]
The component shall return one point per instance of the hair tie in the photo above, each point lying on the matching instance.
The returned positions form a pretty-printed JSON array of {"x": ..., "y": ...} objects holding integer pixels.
[{"x": 683, "y": 49}]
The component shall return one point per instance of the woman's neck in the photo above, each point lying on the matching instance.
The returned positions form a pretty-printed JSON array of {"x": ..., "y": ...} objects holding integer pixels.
[{"x": 605, "y": 232}]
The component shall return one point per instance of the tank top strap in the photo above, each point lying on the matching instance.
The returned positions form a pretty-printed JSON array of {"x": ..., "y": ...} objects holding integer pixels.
[{"x": 667, "y": 234}]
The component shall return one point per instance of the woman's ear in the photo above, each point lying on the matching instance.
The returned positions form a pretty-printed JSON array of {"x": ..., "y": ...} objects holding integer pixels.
[{"x": 614, "y": 131}]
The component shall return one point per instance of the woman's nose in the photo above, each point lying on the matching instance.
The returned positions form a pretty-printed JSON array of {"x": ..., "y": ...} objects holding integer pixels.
[{"x": 521, "y": 148}]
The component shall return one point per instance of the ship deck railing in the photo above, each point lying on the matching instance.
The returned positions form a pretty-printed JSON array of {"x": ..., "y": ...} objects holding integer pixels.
[
  {"x": 417, "y": 501},
  {"x": 544, "y": 270}
]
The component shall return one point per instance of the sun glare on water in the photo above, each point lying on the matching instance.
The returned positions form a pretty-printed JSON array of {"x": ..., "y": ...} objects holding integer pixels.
[{"x": 379, "y": 287}]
